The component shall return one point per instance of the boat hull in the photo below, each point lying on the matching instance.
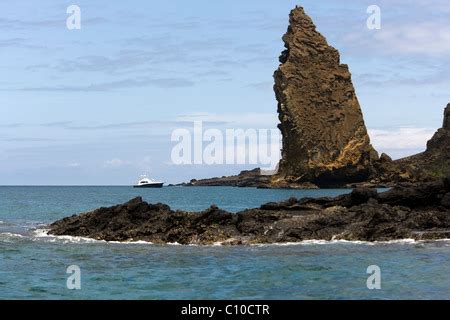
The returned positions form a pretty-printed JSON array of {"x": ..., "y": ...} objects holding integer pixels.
[{"x": 150, "y": 185}]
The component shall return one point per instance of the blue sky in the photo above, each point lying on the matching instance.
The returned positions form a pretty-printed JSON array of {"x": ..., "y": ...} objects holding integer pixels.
[{"x": 98, "y": 105}]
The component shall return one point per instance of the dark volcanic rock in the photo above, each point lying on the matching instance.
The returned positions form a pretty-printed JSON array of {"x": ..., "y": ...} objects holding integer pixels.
[
  {"x": 435, "y": 161},
  {"x": 446, "y": 125},
  {"x": 420, "y": 212},
  {"x": 432, "y": 164},
  {"x": 248, "y": 178},
  {"x": 138, "y": 220},
  {"x": 325, "y": 140},
  {"x": 446, "y": 200}
]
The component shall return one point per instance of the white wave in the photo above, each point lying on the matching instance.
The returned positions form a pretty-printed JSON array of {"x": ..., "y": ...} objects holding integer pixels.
[
  {"x": 14, "y": 235},
  {"x": 10, "y": 237},
  {"x": 43, "y": 234},
  {"x": 367, "y": 243},
  {"x": 129, "y": 242},
  {"x": 138, "y": 242},
  {"x": 39, "y": 234}
]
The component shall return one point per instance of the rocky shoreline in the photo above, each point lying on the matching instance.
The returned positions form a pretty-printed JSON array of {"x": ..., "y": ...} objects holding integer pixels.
[
  {"x": 250, "y": 178},
  {"x": 421, "y": 212}
]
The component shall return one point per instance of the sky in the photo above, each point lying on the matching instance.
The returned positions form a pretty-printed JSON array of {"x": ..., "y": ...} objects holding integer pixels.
[{"x": 98, "y": 105}]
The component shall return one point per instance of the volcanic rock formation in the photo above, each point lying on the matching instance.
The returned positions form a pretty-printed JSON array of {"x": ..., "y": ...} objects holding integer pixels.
[
  {"x": 325, "y": 140},
  {"x": 433, "y": 163},
  {"x": 419, "y": 212},
  {"x": 246, "y": 178}
]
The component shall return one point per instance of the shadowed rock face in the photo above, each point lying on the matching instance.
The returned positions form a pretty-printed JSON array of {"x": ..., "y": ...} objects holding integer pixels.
[
  {"x": 435, "y": 161},
  {"x": 324, "y": 136},
  {"x": 440, "y": 143},
  {"x": 420, "y": 212},
  {"x": 446, "y": 124}
]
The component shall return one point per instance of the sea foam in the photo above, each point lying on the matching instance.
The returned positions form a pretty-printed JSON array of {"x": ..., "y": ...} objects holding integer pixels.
[{"x": 43, "y": 234}]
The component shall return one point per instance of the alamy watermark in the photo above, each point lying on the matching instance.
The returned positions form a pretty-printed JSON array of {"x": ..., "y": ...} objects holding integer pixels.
[
  {"x": 74, "y": 280},
  {"x": 374, "y": 20},
  {"x": 229, "y": 146},
  {"x": 374, "y": 280},
  {"x": 73, "y": 21}
]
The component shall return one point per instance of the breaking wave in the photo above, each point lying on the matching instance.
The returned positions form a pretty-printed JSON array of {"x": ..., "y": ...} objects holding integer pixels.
[{"x": 42, "y": 235}]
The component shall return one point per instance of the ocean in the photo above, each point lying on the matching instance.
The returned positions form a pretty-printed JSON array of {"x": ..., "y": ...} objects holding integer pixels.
[{"x": 33, "y": 265}]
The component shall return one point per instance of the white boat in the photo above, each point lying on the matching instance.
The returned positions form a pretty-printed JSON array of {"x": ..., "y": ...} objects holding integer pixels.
[{"x": 145, "y": 182}]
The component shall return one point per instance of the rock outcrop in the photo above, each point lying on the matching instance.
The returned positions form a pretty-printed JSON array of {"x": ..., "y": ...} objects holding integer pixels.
[
  {"x": 421, "y": 212},
  {"x": 433, "y": 163},
  {"x": 247, "y": 178},
  {"x": 325, "y": 140}
]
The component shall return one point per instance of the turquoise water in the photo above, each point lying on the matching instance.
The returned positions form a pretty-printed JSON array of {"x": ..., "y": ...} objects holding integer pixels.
[{"x": 33, "y": 266}]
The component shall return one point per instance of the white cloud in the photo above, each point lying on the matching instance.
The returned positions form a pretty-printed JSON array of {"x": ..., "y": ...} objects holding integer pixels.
[
  {"x": 429, "y": 37},
  {"x": 402, "y": 138},
  {"x": 114, "y": 163},
  {"x": 73, "y": 165},
  {"x": 141, "y": 164},
  {"x": 145, "y": 163},
  {"x": 422, "y": 5}
]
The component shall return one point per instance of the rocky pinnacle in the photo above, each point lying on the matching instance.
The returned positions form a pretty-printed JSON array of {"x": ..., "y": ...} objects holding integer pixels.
[{"x": 324, "y": 136}]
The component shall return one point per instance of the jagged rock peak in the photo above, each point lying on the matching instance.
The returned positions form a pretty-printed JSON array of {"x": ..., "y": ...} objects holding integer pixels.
[
  {"x": 324, "y": 135},
  {"x": 446, "y": 124},
  {"x": 303, "y": 37}
]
